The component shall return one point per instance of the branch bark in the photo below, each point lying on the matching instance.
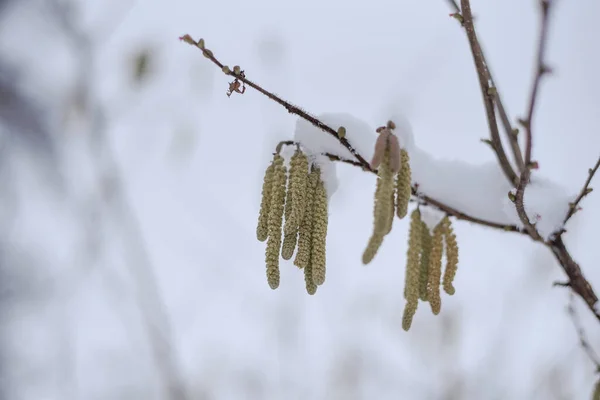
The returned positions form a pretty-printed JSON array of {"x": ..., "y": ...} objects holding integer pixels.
[{"x": 486, "y": 92}]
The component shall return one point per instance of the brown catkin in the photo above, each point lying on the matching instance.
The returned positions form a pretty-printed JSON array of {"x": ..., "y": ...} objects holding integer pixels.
[
  {"x": 425, "y": 253},
  {"x": 435, "y": 269},
  {"x": 383, "y": 196},
  {"x": 451, "y": 257},
  {"x": 262, "y": 230},
  {"x": 413, "y": 267},
  {"x": 305, "y": 231},
  {"x": 319, "y": 233},
  {"x": 403, "y": 189},
  {"x": 275, "y": 222}
]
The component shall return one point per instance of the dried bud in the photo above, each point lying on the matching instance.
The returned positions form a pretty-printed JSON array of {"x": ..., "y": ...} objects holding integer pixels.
[
  {"x": 188, "y": 39},
  {"x": 395, "y": 157},
  {"x": 403, "y": 181},
  {"x": 435, "y": 269},
  {"x": 262, "y": 231},
  {"x": 201, "y": 44},
  {"x": 380, "y": 147},
  {"x": 341, "y": 132},
  {"x": 451, "y": 256},
  {"x": 275, "y": 221},
  {"x": 319, "y": 233},
  {"x": 226, "y": 69},
  {"x": 237, "y": 69},
  {"x": 207, "y": 53},
  {"x": 391, "y": 125}
]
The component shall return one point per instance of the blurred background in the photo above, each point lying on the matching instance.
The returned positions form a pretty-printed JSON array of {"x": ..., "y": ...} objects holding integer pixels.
[{"x": 130, "y": 188}]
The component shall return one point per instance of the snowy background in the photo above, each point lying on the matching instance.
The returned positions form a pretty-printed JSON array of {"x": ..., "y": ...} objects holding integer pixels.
[{"x": 131, "y": 186}]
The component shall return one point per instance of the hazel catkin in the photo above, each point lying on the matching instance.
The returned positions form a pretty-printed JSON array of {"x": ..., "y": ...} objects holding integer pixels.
[
  {"x": 305, "y": 231},
  {"x": 425, "y": 253},
  {"x": 262, "y": 230},
  {"x": 435, "y": 269},
  {"x": 275, "y": 221},
  {"x": 403, "y": 181},
  {"x": 319, "y": 232},
  {"x": 382, "y": 209},
  {"x": 451, "y": 257},
  {"x": 413, "y": 267}
]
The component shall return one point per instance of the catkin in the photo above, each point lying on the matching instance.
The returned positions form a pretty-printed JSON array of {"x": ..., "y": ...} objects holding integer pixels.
[
  {"x": 383, "y": 196},
  {"x": 403, "y": 189},
  {"x": 289, "y": 237},
  {"x": 413, "y": 267},
  {"x": 311, "y": 287},
  {"x": 435, "y": 269},
  {"x": 425, "y": 253},
  {"x": 319, "y": 232},
  {"x": 451, "y": 257},
  {"x": 275, "y": 221},
  {"x": 262, "y": 230},
  {"x": 297, "y": 189},
  {"x": 305, "y": 231}
]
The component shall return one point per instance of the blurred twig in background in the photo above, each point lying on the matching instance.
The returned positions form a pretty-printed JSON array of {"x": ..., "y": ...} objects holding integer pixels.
[{"x": 112, "y": 195}]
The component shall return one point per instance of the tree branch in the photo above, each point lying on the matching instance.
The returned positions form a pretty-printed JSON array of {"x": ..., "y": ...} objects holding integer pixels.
[
  {"x": 360, "y": 161},
  {"x": 511, "y": 133},
  {"x": 573, "y": 207},
  {"x": 527, "y": 123},
  {"x": 577, "y": 282},
  {"x": 487, "y": 92},
  {"x": 583, "y": 340}
]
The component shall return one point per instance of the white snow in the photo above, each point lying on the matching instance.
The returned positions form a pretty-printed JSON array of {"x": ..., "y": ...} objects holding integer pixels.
[{"x": 477, "y": 190}]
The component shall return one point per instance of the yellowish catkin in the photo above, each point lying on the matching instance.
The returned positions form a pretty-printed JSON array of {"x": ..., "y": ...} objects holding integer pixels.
[
  {"x": 305, "y": 231},
  {"x": 311, "y": 287},
  {"x": 275, "y": 221},
  {"x": 425, "y": 253},
  {"x": 403, "y": 189},
  {"x": 298, "y": 182},
  {"x": 262, "y": 230},
  {"x": 319, "y": 233},
  {"x": 413, "y": 267},
  {"x": 451, "y": 257},
  {"x": 383, "y": 196},
  {"x": 289, "y": 238},
  {"x": 435, "y": 269},
  {"x": 292, "y": 203}
]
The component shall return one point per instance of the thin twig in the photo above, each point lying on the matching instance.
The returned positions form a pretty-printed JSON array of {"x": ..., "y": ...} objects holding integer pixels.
[
  {"x": 527, "y": 123},
  {"x": 583, "y": 340},
  {"x": 574, "y": 206},
  {"x": 292, "y": 109},
  {"x": 487, "y": 93},
  {"x": 510, "y": 132}
]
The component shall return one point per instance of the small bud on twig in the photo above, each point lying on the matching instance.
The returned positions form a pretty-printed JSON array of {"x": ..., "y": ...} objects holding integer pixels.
[{"x": 341, "y": 132}]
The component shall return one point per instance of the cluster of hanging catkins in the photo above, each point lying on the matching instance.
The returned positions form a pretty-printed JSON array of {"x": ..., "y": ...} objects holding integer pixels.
[
  {"x": 302, "y": 200},
  {"x": 425, "y": 248}
]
